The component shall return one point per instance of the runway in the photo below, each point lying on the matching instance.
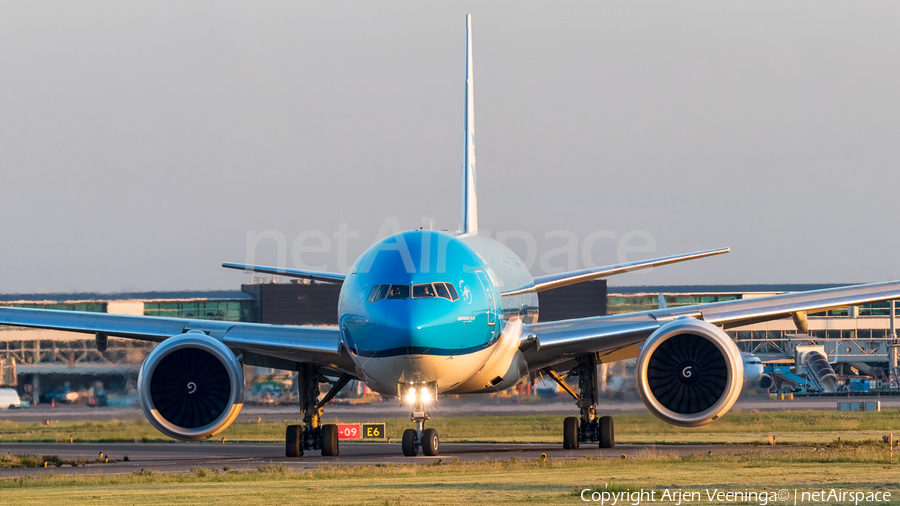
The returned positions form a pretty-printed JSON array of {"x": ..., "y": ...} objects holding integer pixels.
[
  {"x": 445, "y": 408},
  {"x": 181, "y": 457}
]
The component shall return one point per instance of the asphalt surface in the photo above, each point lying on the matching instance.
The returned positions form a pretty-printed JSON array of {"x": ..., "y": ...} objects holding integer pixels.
[
  {"x": 445, "y": 408},
  {"x": 181, "y": 457}
]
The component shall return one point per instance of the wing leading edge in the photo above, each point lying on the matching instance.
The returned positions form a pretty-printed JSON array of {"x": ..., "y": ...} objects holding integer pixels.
[
  {"x": 549, "y": 342},
  {"x": 551, "y": 281},
  {"x": 327, "y": 277},
  {"x": 266, "y": 345}
]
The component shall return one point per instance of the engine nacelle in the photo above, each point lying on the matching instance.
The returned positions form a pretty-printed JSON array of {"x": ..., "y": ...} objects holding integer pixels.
[
  {"x": 191, "y": 386},
  {"x": 765, "y": 382},
  {"x": 689, "y": 372}
]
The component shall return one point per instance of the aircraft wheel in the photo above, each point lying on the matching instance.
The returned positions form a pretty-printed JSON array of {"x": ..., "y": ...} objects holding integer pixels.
[
  {"x": 330, "y": 440},
  {"x": 570, "y": 433},
  {"x": 293, "y": 441},
  {"x": 430, "y": 442},
  {"x": 607, "y": 432},
  {"x": 410, "y": 445}
]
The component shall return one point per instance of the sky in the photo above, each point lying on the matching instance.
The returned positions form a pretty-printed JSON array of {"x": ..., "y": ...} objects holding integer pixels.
[{"x": 143, "y": 143}]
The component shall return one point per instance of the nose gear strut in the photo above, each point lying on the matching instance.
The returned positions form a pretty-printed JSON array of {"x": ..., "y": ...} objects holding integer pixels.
[{"x": 420, "y": 394}]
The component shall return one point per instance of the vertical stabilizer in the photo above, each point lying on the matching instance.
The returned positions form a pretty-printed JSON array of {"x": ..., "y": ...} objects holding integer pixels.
[{"x": 469, "y": 201}]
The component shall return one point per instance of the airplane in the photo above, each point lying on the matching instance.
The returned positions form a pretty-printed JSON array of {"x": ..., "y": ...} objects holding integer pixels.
[
  {"x": 425, "y": 313},
  {"x": 755, "y": 375}
]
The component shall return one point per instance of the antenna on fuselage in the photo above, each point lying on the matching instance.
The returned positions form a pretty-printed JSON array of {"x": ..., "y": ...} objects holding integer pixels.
[{"x": 469, "y": 201}]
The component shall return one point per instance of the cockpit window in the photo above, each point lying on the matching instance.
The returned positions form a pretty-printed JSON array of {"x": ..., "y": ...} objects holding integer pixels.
[
  {"x": 423, "y": 291},
  {"x": 441, "y": 290},
  {"x": 399, "y": 292},
  {"x": 378, "y": 292},
  {"x": 453, "y": 294}
]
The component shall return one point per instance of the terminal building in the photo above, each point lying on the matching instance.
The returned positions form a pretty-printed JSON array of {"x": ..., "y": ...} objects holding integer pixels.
[
  {"x": 858, "y": 341},
  {"x": 55, "y": 366},
  {"x": 49, "y": 365}
]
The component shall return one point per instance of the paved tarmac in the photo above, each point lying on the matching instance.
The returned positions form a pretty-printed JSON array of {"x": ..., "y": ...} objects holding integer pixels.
[
  {"x": 181, "y": 457},
  {"x": 446, "y": 408}
]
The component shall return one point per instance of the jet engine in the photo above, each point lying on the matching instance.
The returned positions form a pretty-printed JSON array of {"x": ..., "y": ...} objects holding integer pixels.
[
  {"x": 689, "y": 372},
  {"x": 765, "y": 382},
  {"x": 191, "y": 386}
]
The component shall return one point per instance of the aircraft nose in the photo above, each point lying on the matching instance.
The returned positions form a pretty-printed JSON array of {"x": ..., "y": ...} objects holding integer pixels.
[
  {"x": 430, "y": 326},
  {"x": 411, "y": 327},
  {"x": 414, "y": 326},
  {"x": 395, "y": 329},
  {"x": 396, "y": 316}
]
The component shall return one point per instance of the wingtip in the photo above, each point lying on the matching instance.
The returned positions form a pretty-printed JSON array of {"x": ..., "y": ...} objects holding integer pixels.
[{"x": 468, "y": 21}]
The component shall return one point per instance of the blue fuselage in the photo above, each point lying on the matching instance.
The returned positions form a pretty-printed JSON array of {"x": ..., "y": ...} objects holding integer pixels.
[{"x": 402, "y": 322}]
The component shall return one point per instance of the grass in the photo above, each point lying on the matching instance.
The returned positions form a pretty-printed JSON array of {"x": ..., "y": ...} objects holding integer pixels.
[
  {"x": 514, "y": 481},
  {"x": 10, "y": 461},
  {"x": 789, "y": 427},
  {"x": 859, "y": 461}
]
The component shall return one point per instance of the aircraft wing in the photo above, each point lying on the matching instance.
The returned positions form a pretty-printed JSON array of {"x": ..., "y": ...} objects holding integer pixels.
[
  {"x": 327, "y": 277},
  {"x": 551, "y": 281},
  {"x": 616, "y": 336},
  {"x": 279, "y": 346}
]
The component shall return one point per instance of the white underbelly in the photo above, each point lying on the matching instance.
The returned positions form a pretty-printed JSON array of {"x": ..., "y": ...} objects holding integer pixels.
[
  {"x": 449, "y": 371},
  {"x": 494, "y": 368}
]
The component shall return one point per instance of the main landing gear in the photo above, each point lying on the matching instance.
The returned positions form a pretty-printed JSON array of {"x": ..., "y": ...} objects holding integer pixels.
[
  {"x": 591, "y": 428},
  {"x": 312, "y": 435},
  {"x": 419, "y": 395}
]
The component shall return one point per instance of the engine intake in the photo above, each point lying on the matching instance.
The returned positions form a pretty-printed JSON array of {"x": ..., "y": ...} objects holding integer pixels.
[
  {"x": 689, "y": 373},
  {"x": 191, "y": 387},
  {"x": 766, "y": 382}
]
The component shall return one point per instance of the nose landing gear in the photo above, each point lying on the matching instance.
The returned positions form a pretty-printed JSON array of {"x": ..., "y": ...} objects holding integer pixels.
[
  {"x": 419, "y": 396},
  {"x": 590, "y": 428},
  {"x": 312, "y": 435},
  {"x": 410, "y": 444}
]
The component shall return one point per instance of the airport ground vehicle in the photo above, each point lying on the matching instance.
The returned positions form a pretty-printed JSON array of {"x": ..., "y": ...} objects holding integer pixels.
[{"x": 9, "y": 398}]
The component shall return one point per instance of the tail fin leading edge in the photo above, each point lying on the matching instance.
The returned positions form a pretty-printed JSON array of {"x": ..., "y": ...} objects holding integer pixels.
[{"x": 469, "y": 224}]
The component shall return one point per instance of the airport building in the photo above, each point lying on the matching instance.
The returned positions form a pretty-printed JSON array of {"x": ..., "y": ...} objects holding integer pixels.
[
  {"x": 48, "y": 365},
  {"x": 857, "y": 341}
]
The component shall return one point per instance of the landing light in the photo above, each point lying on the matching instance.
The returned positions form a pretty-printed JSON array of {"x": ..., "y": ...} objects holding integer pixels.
[{"x": 421, "y": 393}]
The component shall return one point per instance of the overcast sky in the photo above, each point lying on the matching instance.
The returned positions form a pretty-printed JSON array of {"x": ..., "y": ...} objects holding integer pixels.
[{"x": 141, "y": 141}]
